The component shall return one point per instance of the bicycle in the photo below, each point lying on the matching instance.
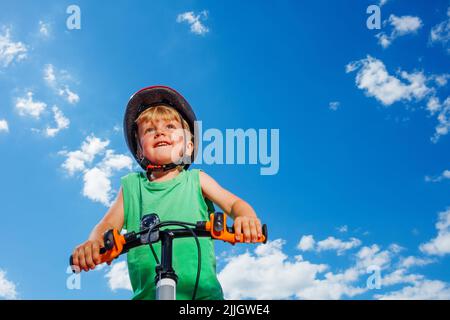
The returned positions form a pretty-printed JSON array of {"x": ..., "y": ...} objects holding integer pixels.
[{"x": 166, "y": 278}]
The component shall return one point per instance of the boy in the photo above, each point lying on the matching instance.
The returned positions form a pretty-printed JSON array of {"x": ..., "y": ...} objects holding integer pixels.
[{"x": 159, "y": 129}]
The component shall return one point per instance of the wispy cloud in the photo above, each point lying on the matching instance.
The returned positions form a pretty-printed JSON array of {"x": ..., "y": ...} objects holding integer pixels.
[
  {"x": 401, "y": 26},
  {"x": 413, "y": 261},
  {"x": 61, "y": 122},
  {"x": 7, "y": 287},
  {"x": 442, "y": 110},
  {"x": 443, "y": 176},
  {"x": 334, "y": 105},
  {"x": 440, "y": 33},
  {"x": 27, "y": 106},
  {"x": 44, "y": 29},
  {"x": 196, "y": 25},
  {"x": 10, "y": 51},
  {"x": 57, "y": 80},
  {"x": 4, "y": 126},
  {"x": 96, "y": 176}
]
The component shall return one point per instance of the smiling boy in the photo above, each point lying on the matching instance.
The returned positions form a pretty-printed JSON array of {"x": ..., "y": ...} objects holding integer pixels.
[{"x": 159, "y": 128}]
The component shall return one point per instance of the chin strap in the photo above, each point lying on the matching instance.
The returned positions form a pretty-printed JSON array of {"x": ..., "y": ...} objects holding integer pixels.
[
  {"x": 162, "y": 167},
  {"x": 158, "y": 167}
]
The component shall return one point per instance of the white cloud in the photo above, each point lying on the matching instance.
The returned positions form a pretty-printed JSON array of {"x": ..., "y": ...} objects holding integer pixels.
[
  {"x": 343, "y": 229},
  {"x": 412, "y": 261},
  {"x": 44, "y": 29},
  {"x": 69, "y": 95},
  {"x": 422, "y": 290},
  {"x": 4, "y": 125},
  {"x": 433, "y": 105},
  {"x": 269, "y": 268},
  {"x": 334, "y": 105},
  {"x": 400, "y": 276},
  {"x": 441, "y": 32},
  {"x": 440, "y": 245},
  {"x": 373, "y": 78},
  {"x": 373, "y": 256},
  {"x": 57, "y": 80},
  {"x": 442, "y": 79},
  {"x": 331, "y": 243},
  {"x": 445, "y": 175},
  {"x": 97, "y": 183},
  {"x": 115, "y": 162},
  {"x": 443, "y": 117},
  {"x": 118, "y": 277},
  {"x": 400, "y": 26},
  {"x": 383, "y": 39},
  {"x": 271, "y": 274},
  {"x": 307, "y": 243},
  {"x": 26, "y": 106},
  {"x": 7, "y": 287},
  {"x": 266, "y": 269},
  {"x": 10, "y": 51},
  {"x": 49, "y": 74},
  {"x": 405, "y": 24},
  {"x": 382, "y": 2},
  {"x": 61, "y": 122},
  {"x": 96, "y": 177},
  {"x": 194, "y": 21},
  {"x": 77, "y": 160},
  {"x": 97, "y": 186}
]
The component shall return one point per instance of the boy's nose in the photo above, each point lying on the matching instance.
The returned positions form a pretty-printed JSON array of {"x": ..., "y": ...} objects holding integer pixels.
[{"x": 159, "y": 132}]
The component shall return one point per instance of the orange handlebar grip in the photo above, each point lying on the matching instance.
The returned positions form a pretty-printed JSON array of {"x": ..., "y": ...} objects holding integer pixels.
[
  {"x": 225, "y": 235},
  {"x": 116, "y": 246}
]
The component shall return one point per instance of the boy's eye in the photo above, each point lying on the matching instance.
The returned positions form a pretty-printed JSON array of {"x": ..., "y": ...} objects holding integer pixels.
[
  {"x": 149, "y": 130},
  {"x": 170, "y": 126}
]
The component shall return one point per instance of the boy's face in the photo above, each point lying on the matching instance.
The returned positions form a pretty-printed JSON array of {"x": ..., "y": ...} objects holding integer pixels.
[{"x": 162, "y": 141}]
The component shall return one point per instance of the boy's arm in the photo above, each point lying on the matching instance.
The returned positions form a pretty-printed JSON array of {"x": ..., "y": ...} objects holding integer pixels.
[
  {"x": 86, "y": 255},
  {"x": 245, "y": 219}
]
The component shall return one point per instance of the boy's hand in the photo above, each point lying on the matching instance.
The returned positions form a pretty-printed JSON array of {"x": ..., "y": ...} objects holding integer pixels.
[
  {"x": 249, "y": 227},
  {"x": 87, "y": 255}
]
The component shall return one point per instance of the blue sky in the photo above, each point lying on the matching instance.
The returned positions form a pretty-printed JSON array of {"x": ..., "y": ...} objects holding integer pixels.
[{"x": 362, "y": 115}]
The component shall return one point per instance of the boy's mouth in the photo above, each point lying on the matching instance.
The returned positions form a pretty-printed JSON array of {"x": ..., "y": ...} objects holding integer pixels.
[{"x": 163, "y": 143}]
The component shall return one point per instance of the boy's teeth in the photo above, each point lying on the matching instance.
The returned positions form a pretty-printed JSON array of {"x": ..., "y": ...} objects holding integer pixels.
[{"x": 162, "y": 144}]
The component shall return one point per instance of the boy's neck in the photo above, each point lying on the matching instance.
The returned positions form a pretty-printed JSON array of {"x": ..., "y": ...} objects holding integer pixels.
[{"x": 159, "y": 176}]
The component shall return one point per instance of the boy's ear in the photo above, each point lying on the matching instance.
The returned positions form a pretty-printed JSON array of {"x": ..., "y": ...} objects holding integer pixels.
[{"x": 190, "y": 148}]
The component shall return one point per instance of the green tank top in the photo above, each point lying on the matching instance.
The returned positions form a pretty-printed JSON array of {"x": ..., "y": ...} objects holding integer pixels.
[{"x": 177, "y": 199}]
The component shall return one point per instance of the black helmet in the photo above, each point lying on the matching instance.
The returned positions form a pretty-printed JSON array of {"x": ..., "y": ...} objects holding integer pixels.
[{"x": 149, "y": 97}]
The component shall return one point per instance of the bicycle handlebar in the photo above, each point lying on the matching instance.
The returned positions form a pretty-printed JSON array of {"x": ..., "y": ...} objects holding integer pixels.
[{"x": 117, "y": 244}]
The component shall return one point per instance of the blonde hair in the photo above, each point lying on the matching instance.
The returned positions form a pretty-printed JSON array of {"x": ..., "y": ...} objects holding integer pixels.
[{"x": 162, "y": 113}]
